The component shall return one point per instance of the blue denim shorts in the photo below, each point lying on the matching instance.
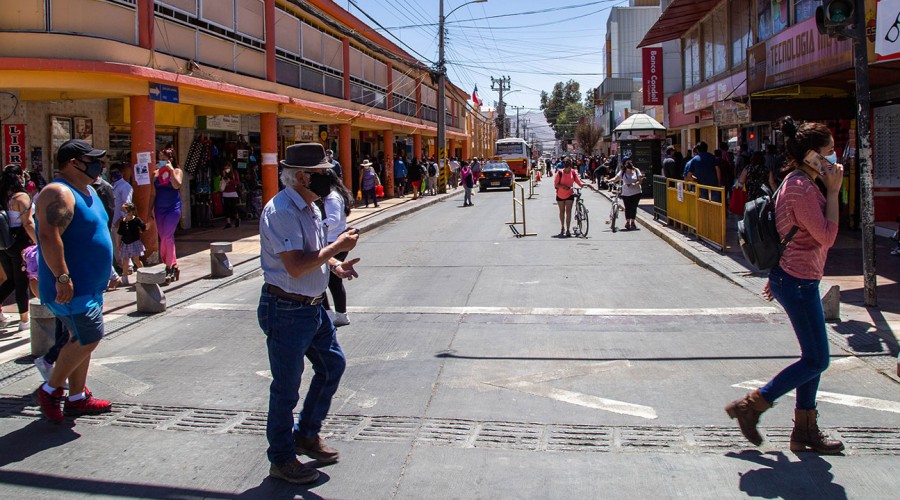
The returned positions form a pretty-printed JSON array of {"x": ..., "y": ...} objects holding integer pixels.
[{"x": 86, "y": 326}]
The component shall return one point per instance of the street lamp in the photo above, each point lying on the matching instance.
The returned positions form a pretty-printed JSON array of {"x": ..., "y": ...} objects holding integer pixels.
[{"x": 442, "y": 80}]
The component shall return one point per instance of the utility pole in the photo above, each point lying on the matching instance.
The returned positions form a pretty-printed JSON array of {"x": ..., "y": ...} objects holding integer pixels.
[
  {"x": 501, "y": 84},
  {"x": 517, "y": 108},
  {"x": 864, "y": 155}
]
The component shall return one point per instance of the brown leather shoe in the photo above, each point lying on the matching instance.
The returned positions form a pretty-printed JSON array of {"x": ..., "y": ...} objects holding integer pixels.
[
  {"x": 294, "y": 472},
  {"x": 315, "y": 448},
  {"x": 747, "y": 411},
  {"x": 807, "y": 436}
]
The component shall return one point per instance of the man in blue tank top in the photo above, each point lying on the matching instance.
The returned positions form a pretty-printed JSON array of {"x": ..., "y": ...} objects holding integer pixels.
[{"x": 75, "y": 255}]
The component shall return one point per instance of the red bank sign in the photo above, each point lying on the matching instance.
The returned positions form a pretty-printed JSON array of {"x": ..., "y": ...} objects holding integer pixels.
[
  {"x": 14, "y": 145},
  {"x": 653, "y": 76}
]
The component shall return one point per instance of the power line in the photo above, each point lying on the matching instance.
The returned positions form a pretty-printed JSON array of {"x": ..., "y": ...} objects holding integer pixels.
[{"x": 370, "y": 18}]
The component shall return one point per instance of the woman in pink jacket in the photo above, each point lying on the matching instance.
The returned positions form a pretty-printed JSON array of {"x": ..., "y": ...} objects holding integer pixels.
[{"x": 795, "y": 283}]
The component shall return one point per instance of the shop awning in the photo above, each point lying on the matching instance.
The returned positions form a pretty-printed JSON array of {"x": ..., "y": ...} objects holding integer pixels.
[{"x": 679, "y": 17}]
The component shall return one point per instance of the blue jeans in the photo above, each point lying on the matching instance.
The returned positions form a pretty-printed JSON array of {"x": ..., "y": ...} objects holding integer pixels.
[
  {"x": 801, "y": 301},
  {"x": 467, "y": 199},
  {"x": 294, "y": 330}
]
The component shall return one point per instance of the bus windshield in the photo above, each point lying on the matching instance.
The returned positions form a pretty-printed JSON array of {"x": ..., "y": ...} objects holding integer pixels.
[{"x": 510, "y": 148}]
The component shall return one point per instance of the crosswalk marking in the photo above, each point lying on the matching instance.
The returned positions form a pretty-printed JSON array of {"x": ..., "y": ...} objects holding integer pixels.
[{"x": 836, "y": 398}]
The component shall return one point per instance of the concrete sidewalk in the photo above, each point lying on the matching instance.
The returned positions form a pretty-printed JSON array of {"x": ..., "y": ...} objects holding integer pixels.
[
  {"x": 869, "y": 332},
  {"x": 193, "y": 260}
]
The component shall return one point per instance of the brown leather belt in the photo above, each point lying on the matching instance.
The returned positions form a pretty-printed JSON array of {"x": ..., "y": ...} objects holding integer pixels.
[{"x": 296, "y": 297}]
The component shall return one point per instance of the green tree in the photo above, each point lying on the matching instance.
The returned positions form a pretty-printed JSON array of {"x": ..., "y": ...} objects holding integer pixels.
[
  {"x": 558, "y": 109},
  {"x": 588, "y": 133}
]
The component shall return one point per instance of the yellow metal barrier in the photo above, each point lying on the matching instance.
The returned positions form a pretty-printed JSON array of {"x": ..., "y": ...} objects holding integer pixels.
[
  {"x": 698, "y": 210},
  {"x": 532, "y": 183},
  {"x": 516, "y": 204}
]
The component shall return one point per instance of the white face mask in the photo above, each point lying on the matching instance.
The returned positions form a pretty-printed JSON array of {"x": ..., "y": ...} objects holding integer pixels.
[{"x": 832, "y": 158}]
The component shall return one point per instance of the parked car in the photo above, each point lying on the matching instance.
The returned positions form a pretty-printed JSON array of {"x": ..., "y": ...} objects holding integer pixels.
[{"x": 496, "y": 174}]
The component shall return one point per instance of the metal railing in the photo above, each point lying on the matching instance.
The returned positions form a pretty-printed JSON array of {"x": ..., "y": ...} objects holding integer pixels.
[
  {"x": 532, "y": 183},
  {"x": 696, "y": 209},
  {"x": 516, "y": 204},
  {"x": 660, "y": 199}
]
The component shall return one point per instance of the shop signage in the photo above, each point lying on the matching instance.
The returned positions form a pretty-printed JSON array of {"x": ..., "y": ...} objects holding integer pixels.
[
  {"x": 887, "y": 30},
  {"x": 800, "y": 53},
  {"x": 756, "y": 68},
  {"x": 653, "y": 76},
  {"x": 163, "y": 93},
  {"x": 730, "y": 113},
  {"x": 677, "y": 116},
  {"x": 14, "y": 145},
  {"x": 726, "y": 88},
  {"x": 305, "y": 133},
  {"x": 228, "y": 123}
]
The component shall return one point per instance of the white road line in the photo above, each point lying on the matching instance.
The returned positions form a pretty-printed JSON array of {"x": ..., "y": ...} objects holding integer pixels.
[
  {"x": 362, "y": 360},
  {"x": 127, "y": 384},
  {"x": 152, "y": 356},
  {"x": 536, "y": 385},
  {"x": 836, "y": 398},
  {"x": 522, "y": 311}
]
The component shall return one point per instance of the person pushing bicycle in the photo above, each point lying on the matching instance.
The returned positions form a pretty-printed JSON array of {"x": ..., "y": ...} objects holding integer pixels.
[{"x": 565, "y": 196}]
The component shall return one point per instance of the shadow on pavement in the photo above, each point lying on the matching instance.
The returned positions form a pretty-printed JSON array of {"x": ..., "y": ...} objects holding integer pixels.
[
  {"x": 782, "y": 478},
  {"x": 269, "y": 488},
  {"x": 36, "y": 437},
  {"x": 863, "y": 336}
]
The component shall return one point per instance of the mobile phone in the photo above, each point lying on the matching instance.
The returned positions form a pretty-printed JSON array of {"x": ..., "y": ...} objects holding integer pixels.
[{"x": 816, "y": 161}]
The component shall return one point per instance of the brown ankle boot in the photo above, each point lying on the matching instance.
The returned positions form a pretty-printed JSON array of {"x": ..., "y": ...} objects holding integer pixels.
[
  {"x": 807, "y": 436},
  {"x": 314, "y": 447},
  {"x": 747, "y": 411}
]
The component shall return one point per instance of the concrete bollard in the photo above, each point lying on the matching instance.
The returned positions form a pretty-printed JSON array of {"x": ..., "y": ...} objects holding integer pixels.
[
  {"x": 831, "y": 300},
  {"x": 150, "y": 297},
  {"x": 43, "y": 327},
  {"x": 219, "y": 266}
]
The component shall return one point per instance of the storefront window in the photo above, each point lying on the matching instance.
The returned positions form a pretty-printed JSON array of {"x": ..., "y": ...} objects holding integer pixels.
[
  {"x": 773, "y": 17},
  {"x": 740, "y": 30},
  {"x": 805, "y": 9},
  {"x": 706, "y": 32},
  {"x": 691, "y": 58},
  {"x": 720, "y": 40}
]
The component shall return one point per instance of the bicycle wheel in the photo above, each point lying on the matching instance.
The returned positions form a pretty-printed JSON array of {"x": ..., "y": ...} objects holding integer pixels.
[
  {"x": 579, "y": 219},
  {"x": 585, "y": 223}
]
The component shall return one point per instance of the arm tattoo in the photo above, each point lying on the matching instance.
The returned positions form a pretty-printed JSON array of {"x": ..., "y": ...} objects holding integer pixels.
[{"x": 58, "y": 214}]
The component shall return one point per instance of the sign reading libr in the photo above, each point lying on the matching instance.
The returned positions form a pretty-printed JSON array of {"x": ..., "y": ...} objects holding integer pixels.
[{"x": 163, "y": 93}]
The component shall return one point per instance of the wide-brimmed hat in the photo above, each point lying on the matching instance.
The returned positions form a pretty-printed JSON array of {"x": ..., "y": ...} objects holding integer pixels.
[
  {"x": 366, "y": 163},
  {"x": 305, "y": 155}
]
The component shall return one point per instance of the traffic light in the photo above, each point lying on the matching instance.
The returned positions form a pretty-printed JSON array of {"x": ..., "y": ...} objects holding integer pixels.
[{"x": 835, "y": 16}]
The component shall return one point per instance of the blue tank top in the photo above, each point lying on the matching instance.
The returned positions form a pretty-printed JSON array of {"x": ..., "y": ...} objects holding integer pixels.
[
  {"x": 88, "y": 252},
  {"x": 167, "y": 197}
]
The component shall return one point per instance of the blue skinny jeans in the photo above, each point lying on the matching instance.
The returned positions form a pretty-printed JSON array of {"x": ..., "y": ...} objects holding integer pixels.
[
  {"x": 294, "y": 330},
  {"x": 801, "y": 301}
]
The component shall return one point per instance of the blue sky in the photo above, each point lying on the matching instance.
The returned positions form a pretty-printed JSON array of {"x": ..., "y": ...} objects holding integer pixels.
[{"x": 535, "y": 50}]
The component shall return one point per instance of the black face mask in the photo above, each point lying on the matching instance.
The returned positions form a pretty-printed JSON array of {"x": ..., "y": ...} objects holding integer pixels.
[
  {"x": 92, "y": 169},
  {"x": 320, "y": 184}
]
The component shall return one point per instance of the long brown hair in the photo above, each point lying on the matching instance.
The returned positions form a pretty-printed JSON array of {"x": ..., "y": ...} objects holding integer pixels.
[{"x": 799, "y": 139}]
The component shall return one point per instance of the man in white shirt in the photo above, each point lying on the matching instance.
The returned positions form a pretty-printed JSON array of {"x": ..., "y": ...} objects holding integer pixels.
[
  {"x": 454, "y": 173},
  {"x": 122, "y": 193}
]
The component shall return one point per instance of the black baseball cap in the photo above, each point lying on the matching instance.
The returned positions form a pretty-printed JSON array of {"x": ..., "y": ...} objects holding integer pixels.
[{"x": 74, "y": 148}]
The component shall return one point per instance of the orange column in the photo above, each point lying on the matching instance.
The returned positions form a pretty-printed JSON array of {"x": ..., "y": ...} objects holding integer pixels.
[
  {"x": 390, "y": 86},
  {"x": 270, "y": 39},
  {"x": 345, "y": 42},
  {"x": 268, "y": 136},
  {"x": 417, "y": 146},
  {"x": 466, "y": 151},
  {"x": 145, "y": 25},
  {"x": 143, "y": 140},
  {"x": 345, "y": 157},
  {"x": 388, "y": 180},
  {"x": 451, "y": 148}
]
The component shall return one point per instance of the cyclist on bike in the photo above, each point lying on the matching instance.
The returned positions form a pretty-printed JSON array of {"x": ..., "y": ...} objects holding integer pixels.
[
  {"x": 565, "y": 197},
  {"x": 631, "y": 179}
]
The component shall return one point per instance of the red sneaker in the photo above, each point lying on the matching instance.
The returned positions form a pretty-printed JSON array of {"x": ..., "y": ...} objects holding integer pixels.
[
  {"x": 87, "y": 406},
  {"x": 51, "y": 404}
]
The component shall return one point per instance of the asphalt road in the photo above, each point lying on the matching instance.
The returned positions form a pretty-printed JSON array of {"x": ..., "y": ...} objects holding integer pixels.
[{"x": 480, "y": 366}]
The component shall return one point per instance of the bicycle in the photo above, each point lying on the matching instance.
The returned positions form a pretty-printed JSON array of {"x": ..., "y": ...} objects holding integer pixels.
[
  {"x": 615, "y": 207},
  {"x": 582, "y": 222}
]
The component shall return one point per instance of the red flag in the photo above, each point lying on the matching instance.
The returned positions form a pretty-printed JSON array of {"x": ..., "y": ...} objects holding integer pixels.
[{"x": 477, "y": 100}]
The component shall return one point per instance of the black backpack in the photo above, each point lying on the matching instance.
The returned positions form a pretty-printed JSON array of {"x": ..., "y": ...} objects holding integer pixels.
[
  {"x": 432, "y": 169},
  {"x": 757, "y": 233}
]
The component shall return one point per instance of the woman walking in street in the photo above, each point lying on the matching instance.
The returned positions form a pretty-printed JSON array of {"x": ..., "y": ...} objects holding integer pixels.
[
  {"x": 17, "y": 204},
  {"x": 368, "y": 179},
  {"x": 565, "y": 179},
  {"x": 755, "y": 175},
  {"x": 337, "y": 204},
  {"x": 467, "y": 181},
  {"x": 801, "y": 208},
  {"x": 165, "y": 200},
  {"x": 631, "y": 178}
]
